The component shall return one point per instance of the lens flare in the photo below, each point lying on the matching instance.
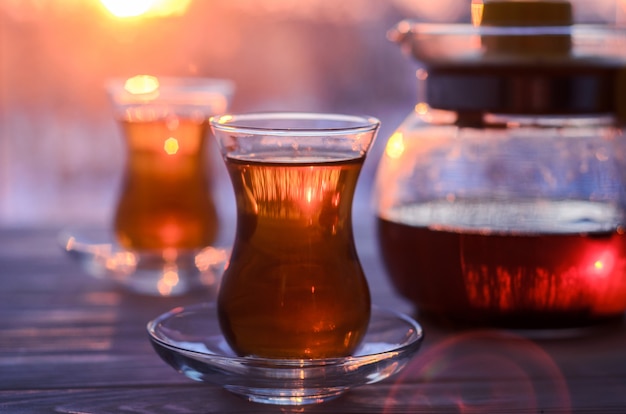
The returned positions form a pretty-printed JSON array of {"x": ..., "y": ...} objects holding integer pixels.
[{"x": 482, "y": 371}]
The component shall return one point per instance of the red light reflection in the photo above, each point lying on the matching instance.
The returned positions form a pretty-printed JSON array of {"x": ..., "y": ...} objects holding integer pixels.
[{"x": 602, "y": 265}]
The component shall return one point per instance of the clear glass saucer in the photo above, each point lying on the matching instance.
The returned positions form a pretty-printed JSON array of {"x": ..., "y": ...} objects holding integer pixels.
[
  {"x": 166, "y": 273},
  {"x": 189, "y": 339}
]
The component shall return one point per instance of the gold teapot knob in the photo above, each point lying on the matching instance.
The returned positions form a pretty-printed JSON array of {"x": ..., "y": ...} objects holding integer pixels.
[
  {"x": 513, "y": 13},
  {"x": 524, "y": 14}
]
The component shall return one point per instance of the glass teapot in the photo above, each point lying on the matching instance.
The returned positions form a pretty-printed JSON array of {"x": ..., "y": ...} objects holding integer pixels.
[{"x": 501, "y": 199}]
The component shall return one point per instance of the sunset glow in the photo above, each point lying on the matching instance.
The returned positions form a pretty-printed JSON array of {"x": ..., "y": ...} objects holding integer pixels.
[
  {"x": 123, "y": 8},
  {"x": 128, "y": 9}
]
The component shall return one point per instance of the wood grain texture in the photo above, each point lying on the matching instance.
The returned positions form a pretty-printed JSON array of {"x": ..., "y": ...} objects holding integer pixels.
[{"x": 70, "y": 343}]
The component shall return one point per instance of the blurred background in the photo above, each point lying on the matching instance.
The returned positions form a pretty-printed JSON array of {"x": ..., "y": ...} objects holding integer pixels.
[{"x": 61, "y": 154}]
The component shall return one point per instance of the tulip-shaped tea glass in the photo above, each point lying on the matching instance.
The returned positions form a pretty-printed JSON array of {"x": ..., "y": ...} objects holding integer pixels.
[
  {"x": 165, "y": 212},
  {"x": 294, "y": 287}
]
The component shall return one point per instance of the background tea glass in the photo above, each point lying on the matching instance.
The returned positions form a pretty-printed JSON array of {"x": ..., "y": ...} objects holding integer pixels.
[
  {"x": 294, "y": 287},
  {"x": 165, "y": 212}
]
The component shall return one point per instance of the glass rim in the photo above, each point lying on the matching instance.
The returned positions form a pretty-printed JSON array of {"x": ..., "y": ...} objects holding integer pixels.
[
  {"x": 259, "y": 123},
  {"x": 585, "y": 30}
]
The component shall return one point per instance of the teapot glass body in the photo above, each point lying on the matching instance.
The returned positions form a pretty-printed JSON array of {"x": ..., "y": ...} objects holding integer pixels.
[{"x": 505, "y": 220}]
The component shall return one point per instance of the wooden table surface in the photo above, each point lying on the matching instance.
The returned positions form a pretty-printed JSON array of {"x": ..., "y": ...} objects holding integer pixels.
[{"x": 70, "y": 343}]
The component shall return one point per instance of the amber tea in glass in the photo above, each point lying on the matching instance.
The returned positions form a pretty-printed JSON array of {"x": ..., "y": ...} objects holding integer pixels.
[
  {"x": 166, "y": 200},
  {"x": 165, "y": 205},
  {"x": 294, "y": 287}
]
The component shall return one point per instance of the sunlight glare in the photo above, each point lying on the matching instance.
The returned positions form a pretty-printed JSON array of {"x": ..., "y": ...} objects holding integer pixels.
[
  {"x": 395, "y": 146},
  {"x": 141, "y": 84},
  {"x": 422, "y": 108},
  {"x": 171, "y": 146},
  {"x": 224, "y": 119},
  {"x": 477, "y": 9},
  {"x": 136, "y": 8},
  {"x": 125, "y": 8}
]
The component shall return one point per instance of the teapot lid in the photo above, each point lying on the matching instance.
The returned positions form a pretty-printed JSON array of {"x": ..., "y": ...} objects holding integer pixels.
[{"x": 523, "y": 57}]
